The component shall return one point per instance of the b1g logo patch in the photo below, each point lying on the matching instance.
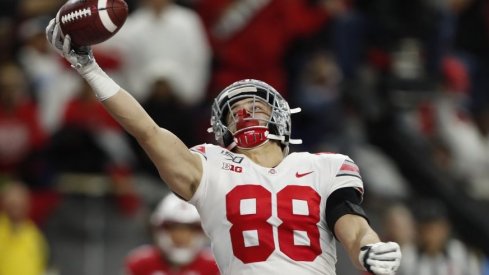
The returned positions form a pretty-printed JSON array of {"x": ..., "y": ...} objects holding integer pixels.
[{"x": 232, "y": 167}]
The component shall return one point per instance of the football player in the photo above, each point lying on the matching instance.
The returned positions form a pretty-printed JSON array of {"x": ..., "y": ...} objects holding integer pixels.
[
  {"x": 180, "y": 243},
  {"x": 266, "y": 211}
]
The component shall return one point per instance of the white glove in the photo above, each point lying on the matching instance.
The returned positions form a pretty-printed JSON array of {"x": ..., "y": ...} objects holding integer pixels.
[
  {"x": 79, "y": 58},
  {"x": 83, "y": 61},
  {"x": 381, "y": 258}
]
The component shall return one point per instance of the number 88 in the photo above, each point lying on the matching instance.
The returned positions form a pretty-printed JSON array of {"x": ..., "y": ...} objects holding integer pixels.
[{"x": 258, "y": 221}]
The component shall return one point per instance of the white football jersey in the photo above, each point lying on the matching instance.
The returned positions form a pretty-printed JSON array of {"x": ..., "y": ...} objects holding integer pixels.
[{"x": 271, "y": 220}]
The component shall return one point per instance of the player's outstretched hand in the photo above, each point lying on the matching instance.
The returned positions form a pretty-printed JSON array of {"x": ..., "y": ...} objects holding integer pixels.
[
  {"x": 381, "y": 258},
  {"x": 79, "y": 58},
  {"x": 82, "y": 60}
]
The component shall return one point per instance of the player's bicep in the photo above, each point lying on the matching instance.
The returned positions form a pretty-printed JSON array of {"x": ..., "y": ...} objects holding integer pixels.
[{"x": 177, "y": 165}]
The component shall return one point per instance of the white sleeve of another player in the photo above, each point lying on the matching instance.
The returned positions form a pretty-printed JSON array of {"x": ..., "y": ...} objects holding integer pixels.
[{"x": 348, "y": 175}]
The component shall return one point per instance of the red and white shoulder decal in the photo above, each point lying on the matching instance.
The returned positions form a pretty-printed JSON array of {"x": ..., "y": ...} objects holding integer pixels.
[
  {"x": 349, "y": 168},
  {"x": 199, "y": 149}
]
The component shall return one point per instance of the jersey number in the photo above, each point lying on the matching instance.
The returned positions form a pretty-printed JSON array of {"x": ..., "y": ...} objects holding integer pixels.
[{"x": 303, "y": 221}]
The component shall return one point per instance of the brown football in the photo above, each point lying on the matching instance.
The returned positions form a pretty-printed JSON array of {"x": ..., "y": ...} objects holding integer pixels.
[{"x": 90, "y": 22}]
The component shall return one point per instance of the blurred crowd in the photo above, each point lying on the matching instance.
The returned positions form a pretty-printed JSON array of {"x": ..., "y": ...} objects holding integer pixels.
[{"x": 77, "y": 190}]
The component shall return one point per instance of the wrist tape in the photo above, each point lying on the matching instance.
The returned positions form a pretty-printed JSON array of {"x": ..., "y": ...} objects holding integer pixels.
[
  {"x": 365, "y": 251},
  {"x": 103, "y": 86}
]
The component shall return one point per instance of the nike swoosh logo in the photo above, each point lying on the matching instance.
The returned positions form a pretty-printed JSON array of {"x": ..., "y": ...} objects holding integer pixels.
[{"x": 300, "y": 175}]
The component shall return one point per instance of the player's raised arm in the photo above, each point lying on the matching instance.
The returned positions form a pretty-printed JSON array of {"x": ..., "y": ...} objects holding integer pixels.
[{"x": 178, "y": 167}]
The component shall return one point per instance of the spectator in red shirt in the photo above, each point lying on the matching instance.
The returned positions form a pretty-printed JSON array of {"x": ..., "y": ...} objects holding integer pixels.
[
  {"x": 20, "y": 130},
  {"x": 84, "y": 111},
  {"x": 250, "y": 38}
]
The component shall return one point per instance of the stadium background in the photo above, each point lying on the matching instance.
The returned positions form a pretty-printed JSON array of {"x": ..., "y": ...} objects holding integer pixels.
[{"x": 400, "y": 86}]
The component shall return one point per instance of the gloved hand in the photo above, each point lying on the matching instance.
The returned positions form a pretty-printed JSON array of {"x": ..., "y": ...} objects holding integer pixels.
[
  {"x": 79, "y": 58},
  {"x": 381, "y": 258}
]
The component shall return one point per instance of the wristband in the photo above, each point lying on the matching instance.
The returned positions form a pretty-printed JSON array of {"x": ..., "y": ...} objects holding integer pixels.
[
  {"x": 364, "y": 254},
  {"x": 103, "y": 86}
]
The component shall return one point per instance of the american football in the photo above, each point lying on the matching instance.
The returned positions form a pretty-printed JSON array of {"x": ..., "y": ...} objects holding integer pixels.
[{"x": 90, "y": 22}]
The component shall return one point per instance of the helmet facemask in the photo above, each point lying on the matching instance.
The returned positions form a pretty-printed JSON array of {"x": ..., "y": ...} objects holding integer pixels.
[
  {"x": 251, "y": 126},
  {"x": 177, "y": 230},
  {"x": 176, "y": 253}
]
